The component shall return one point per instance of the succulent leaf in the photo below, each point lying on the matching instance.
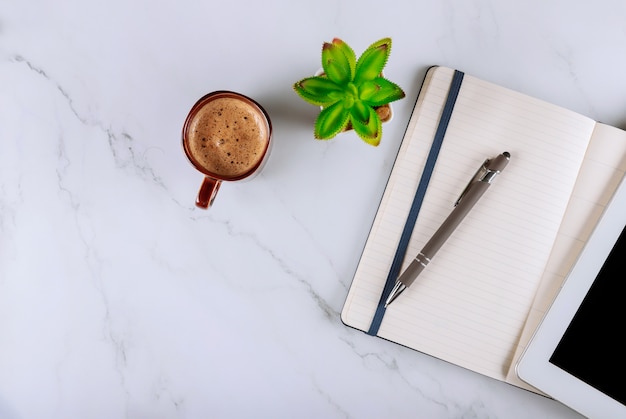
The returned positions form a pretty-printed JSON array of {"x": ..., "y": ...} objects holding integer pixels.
[
  {"x": 360, "y": 111},
  {"x": 370, "y": 130},
  {"x": 349, "y": 52},
  {"x": 331, "y": 121},
  {"x": 372, "y": 61},
  {"x": 380, "y": 91},
  {"x": 318, "y": 90},
  {"x": 336, "y": 64}
]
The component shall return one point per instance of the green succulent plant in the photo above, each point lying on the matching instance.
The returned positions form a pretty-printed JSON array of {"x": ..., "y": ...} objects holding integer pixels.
[{"x": 350, "y": 90}]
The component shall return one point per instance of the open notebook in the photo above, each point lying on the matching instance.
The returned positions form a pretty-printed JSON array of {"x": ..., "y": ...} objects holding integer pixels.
[{"x": 479, "y": 300}]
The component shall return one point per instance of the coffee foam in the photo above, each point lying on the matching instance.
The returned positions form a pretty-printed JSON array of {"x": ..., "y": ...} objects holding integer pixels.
[{"x": 228, "y": 137}]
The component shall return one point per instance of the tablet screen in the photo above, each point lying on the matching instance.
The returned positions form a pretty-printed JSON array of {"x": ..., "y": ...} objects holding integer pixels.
[{"x": 593, "y": 348}]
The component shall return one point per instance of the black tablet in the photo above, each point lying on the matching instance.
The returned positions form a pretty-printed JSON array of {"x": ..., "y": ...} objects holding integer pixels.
[{"x": 578, "y": 353}]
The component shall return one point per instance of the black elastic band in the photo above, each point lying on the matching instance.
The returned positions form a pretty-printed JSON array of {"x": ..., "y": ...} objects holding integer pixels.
[{"x": 417, "y": 201}]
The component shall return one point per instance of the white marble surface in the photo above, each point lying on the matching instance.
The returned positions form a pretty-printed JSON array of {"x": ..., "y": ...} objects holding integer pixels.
[{"x": 120, "y": 299}]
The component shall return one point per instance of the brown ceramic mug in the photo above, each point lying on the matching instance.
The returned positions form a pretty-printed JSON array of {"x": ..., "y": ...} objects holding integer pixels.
[{"x": 227, "y": 137}]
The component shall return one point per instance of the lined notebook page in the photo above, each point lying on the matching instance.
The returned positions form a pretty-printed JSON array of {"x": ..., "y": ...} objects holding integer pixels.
[
  {"x": 470, "y": 305},
  {"x": 602, "y": 170}
]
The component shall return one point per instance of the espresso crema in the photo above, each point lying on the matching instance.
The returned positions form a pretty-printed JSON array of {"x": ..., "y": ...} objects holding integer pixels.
[{"x": 228, "y": 137}]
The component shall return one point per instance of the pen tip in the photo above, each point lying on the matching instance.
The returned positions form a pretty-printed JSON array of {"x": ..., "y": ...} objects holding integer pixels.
[
  {"x": 397, "y": 290},
  {"x": 506, "y": 154}
]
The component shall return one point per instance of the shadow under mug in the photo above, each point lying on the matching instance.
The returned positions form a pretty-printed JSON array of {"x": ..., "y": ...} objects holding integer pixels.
[{"x": 212, "y": 180}]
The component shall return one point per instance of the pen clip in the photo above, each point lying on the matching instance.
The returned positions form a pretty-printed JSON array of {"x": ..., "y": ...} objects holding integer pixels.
[
  {"x": 487, "y": 172},
  {"x": 480, "y": 174}
]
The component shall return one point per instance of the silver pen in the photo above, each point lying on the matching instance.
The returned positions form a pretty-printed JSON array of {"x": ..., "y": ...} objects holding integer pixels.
[{"x": 472, "y": 193}]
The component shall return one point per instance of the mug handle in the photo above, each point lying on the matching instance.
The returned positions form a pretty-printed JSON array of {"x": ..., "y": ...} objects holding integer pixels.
[{"x": 208, "y": 192}]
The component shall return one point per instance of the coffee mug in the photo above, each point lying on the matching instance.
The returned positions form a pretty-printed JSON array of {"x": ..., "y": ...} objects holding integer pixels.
[{"x": 227, "y": 137}]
